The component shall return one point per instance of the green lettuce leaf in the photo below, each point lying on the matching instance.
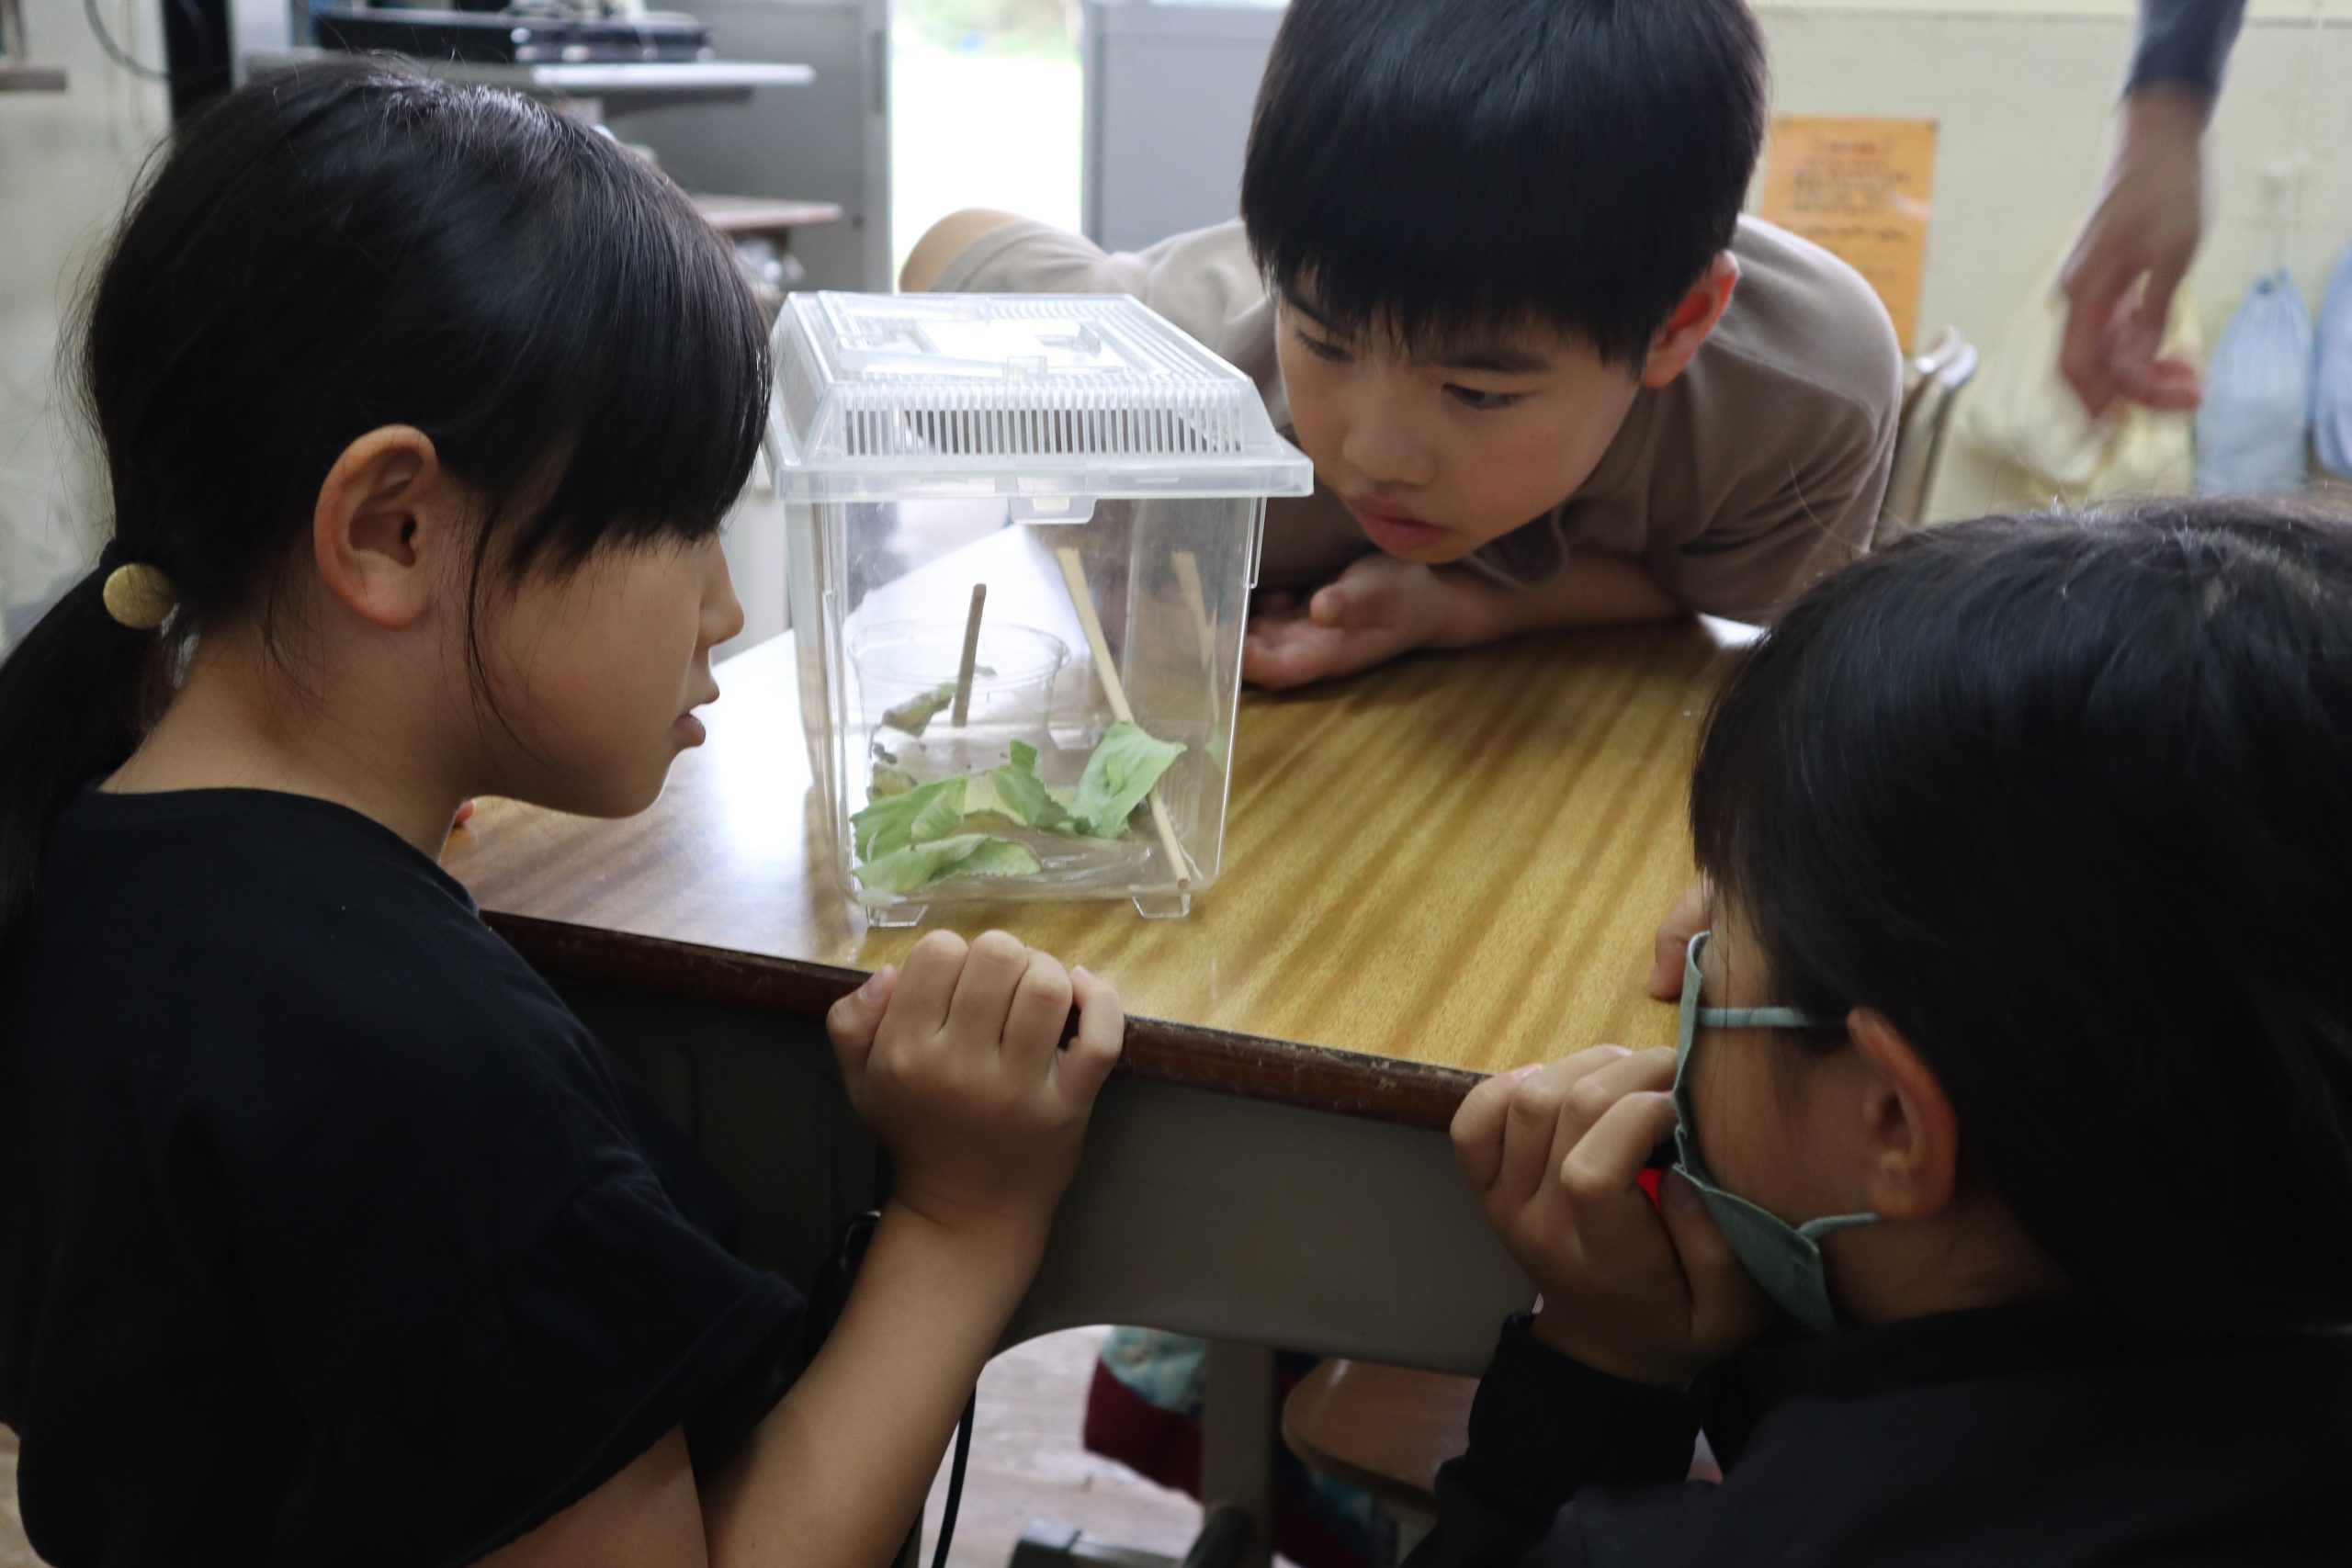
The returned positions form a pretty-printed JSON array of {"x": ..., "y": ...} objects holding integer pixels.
[
  {"x": 946, "y": 860},
  {"x": 916, "y": 815},
  {"x": 914, "y": 715},
  {"x": 941, "y": 816},
  {"x": 1120, "y": 774},
  {"x": 1023, "y": 796},
  {"x": 980, "y": 799},
  {"x": 997, "y": 857}
]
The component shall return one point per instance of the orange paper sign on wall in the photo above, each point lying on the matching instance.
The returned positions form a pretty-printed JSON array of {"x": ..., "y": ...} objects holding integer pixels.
[{"x": 1860, "y": 189}]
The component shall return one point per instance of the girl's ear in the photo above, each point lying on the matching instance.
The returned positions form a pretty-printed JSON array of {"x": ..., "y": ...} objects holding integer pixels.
[
  {"x": 387, "y": 521},
  {"x": 1693, "y": 319},
  {"x": 1909, "y": 1132}
]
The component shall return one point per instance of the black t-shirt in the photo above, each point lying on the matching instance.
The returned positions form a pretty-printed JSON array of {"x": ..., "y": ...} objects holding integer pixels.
[
  {"x": 327, "y": 1234},
  {"x": 2033, "y": 1436}
]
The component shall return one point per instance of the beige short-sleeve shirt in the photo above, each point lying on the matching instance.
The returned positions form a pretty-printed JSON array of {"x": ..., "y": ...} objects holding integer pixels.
[{"x": 1752, "y": 474}]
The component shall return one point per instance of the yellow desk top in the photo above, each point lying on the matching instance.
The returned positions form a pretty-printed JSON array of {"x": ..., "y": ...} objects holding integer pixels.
[{"x": 1453, "y": 861}]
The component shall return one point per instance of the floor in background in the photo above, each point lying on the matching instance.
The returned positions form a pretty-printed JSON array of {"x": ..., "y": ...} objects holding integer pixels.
[
  {"x": 15, "y": 1552},
  {"x": 1029, "y": 1464}
]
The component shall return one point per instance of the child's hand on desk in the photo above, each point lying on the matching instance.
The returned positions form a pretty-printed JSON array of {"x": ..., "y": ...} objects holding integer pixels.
[
  {"x": 1650, "y": 1294},
  {"x": 1378, "y": 608},
  {"x": 956, "y": 1063}
]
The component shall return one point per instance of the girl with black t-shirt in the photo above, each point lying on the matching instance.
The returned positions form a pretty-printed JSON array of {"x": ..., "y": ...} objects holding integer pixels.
[{"x": 327, "y": 1234}]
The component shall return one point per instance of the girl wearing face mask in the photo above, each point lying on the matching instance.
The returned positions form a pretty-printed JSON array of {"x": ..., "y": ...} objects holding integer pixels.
[{"x": 2010, "y": 1213}]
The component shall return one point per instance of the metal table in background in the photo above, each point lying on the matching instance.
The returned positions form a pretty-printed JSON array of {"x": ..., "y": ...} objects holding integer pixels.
[{"x": 595, "y": 91}]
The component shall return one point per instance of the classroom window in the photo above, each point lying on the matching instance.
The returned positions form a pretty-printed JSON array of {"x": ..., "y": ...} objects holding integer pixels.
[{"x": 985, "y": 112}]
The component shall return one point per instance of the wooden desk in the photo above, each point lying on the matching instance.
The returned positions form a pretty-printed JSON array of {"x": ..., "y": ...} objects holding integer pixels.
[
  {"x": 774, "y": 219},
  {"x": 1450, "y": 864},
  {"x": 1448, "y": 867},
  {"x": 775, "y": 216}
]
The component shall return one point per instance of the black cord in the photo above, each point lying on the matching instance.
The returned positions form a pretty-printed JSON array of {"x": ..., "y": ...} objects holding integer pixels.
[
  {"x": 955, "y": 1481},
  {"x": 121, "y": 56}
]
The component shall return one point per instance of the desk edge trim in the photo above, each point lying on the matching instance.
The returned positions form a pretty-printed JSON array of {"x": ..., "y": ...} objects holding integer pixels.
[{"x": 1316, "y": 1078}]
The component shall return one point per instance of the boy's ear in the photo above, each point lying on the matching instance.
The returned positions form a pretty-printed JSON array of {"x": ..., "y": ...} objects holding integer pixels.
[
  {"x": 1692, "y": 319},
  {"x": 1909, "y": 1130},
  {"x": 384, "y": 515}
]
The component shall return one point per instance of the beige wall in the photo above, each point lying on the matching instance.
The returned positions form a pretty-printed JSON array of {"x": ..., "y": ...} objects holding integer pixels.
[
  {"x": 66, "y": 164},
  {"x": 2023, "y": 95}
]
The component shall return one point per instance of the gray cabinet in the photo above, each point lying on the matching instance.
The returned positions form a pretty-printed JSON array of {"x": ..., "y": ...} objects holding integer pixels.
[
  {"x": 1169, "y": 90},
  {"x": 826, "y": 141}
]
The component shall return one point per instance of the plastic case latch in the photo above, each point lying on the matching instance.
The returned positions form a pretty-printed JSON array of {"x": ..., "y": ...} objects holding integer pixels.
[{"x": 1053, "y": 508}]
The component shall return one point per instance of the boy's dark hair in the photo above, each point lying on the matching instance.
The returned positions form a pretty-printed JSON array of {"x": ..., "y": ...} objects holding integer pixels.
[
  {"x": 1441, "y": 169},
  {"x": 349, "y": 246},
  {"x": 2069, "y": 800}
]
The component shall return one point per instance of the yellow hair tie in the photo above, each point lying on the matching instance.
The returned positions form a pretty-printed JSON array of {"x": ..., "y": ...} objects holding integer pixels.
[{"x": 139, "y": 597}]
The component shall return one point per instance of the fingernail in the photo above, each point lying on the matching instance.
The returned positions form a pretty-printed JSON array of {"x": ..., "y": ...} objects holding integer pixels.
[
  {"x": 875, "y": 984},
  {"x": 1526, "y": 1072},
  {"x": 1081, "y": 973}
]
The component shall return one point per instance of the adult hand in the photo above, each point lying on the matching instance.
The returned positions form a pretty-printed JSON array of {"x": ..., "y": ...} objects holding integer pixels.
[
  {"x": 957, "y": 1065},
  {"x": 1555, "y": 1154},
  {"x": 1378, "y": 608},
  {"x": 2133, "y": 254}
]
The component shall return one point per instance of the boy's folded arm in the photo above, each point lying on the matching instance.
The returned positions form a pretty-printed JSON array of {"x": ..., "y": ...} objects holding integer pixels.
[
  {"x": 1542, "y": 1427},
  {"x": 1382, "y": 607},
  {"x": 1593, "y": 590},
  {"x": 944, "y": 241}
]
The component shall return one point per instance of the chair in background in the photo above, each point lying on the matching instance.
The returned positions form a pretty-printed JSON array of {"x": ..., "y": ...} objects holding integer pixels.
[
  {"x": 1932, "y": 382},
  {"x": 1387, "y": 1429},
  {"x": 1384, "y": 1428}
]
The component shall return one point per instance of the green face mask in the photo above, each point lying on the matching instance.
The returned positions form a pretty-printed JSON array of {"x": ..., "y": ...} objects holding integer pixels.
[{"x": 1785, "y": 1260}]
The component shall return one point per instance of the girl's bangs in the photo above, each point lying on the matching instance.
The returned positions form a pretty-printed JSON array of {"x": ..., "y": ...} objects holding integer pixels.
[{"x": 668, "y": 398}]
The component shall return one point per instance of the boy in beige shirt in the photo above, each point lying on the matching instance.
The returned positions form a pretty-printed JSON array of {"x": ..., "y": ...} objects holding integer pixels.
[{"x": 1491, "y": 275}]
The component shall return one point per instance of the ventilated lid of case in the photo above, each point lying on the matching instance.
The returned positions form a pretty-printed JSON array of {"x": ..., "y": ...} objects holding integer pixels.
[{"x": 888, "y": 396}]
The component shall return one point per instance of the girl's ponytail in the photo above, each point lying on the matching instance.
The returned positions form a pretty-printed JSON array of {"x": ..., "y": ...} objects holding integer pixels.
[{"x": 73, "y": 701}]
